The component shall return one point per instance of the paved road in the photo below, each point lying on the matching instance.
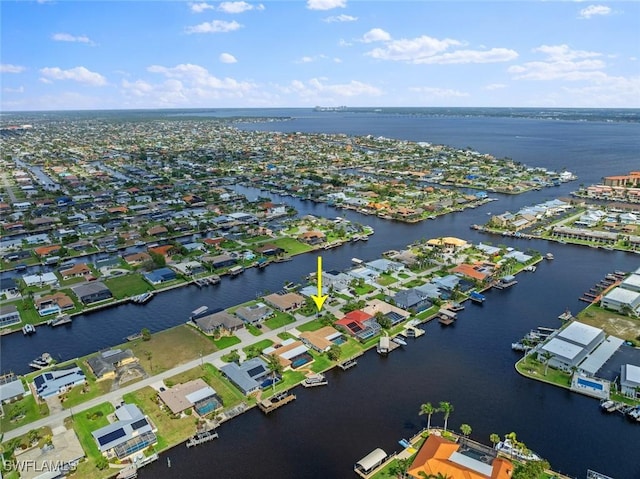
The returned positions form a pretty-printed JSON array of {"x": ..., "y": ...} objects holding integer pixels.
[{"x": 116, "y": 396}]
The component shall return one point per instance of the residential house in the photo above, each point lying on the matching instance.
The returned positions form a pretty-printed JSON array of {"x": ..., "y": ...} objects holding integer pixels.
[
  {"x": 254, "y": 314},
  {"x": 195, "y": 394},
  {"x": 160, "y": 275},
  {"x": 49, "y": 279},
  {"x": 157, "y": 230},
  {"x": 105, "y": 364},
  {"x": 248, "y": 376},
  {"x": 630, "y": 380},
  {"x": 322, "y": 339},
  {"x": 269, "y": 249},
  {"x": 393, "y": 313},
  {"x": 571, "y": 345},
  {"x": 131, "y": 433},
  {"x": 53, "y": 303},
  {"x": 221, "y": 322},
  {"x": 359, "y": 324},
  {"x": 439, "y": 456},
  {"x": 384, "y": 266},
  {"x": 220, "y": 261},
  {"x": 9, "y": 315},
  {"x": 11, "y": 388},
  {"x": 412, "y": 299},
  {"x": 312, "y": 237},
  {"x": 291, "y": 353},
  {"x": 136, "y": 259},
  {"x": 285, "y": 302},
  {"x": 78, "y": 270},
  {"x": 621, "y": 300},
  {"x": 53, "y": 383},
  {"x": 92, "y": 292}
]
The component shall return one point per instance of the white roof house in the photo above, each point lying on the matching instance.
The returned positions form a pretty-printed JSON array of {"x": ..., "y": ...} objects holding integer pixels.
[
  {"x": 619, "y": 298},
  {"x": 565, "y": 354},
  {"x": 38, "y": 279},
  {"x": 582, "y": 335},
  {"x": 630, "y": 380},
  {"x": 631, "y": 283}
]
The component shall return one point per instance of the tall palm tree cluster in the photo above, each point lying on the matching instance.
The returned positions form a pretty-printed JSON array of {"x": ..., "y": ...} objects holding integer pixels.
[{"x": 429, "y": 409}]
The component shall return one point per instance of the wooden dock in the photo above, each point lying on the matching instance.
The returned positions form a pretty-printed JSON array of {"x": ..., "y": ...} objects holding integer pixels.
[
  {"x": 271, "y": 404},
  {"x": 349, "y": 363},
  {"x": 201, "y": 438}
]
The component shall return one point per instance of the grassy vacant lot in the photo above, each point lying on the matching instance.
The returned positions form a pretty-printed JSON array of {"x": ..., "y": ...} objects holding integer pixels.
[
  {"x": 260, "y": 345},
  {"x": 612, "y": 323},
  {"x": 226, "y": 342},
  {"x": 84, "y": 423},
  {"x": 22, "y": 412},
  {"x": 292, "y": 246},
  {"x": 535, "y": 369},
  {"x": 310, "y": 326},
  {"x": 127, "y": 285},
  {"x": 169, "y": 348},
  {"x": 278, "y": 320},
  {"x": 385, "y": 279}
]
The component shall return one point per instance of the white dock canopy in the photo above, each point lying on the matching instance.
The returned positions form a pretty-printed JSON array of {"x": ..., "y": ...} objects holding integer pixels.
[{"x": 371, "y": 460}]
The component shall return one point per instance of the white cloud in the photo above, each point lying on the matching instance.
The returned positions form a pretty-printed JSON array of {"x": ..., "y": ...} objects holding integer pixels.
[
  {"x": 187, "y": 85},
  {"x": 412, "y": 50},
  {"x": 325, "y": 4},
  {"x": 429, "y": 50},
  {"x": 20, "y": 89},
  {"x": 495, "y": 86},
  {"x": 214, "y": 26},
  {"x": 607, "y": 92},
  {"x": 310, "y": 59},
  {"x": 306, "y": 60},
  {"x": 319, "y": 88},
  {"x": 67, "y": 37},
  {"x": 238, "y": 7},
  {"x": 439, "y": 92},
  {"x": 340, "y": 18},
  {"x": 200, "y": 7},
  {"x": 227, "y": 58},
  {"x": 376, "y": 35},
  {"x": 561, "y": 63},
  {"x": 9, "y": 68},
  {"x": 592, "y": 10},
  {"x": 79, "y": 74}
]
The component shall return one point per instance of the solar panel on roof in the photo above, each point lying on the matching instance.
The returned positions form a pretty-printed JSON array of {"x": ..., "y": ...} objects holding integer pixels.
[
  {"x": 139, "y": 423},
  {"x": 112, "y": 436},
  {"x": 255, "y": 371}
]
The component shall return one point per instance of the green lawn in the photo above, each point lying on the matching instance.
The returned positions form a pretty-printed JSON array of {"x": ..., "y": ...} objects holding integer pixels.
[
  {"x": 127, "y": 285},
  {"x": 84, "y": 392},
  {"x": 260, "y": 345},
  {"x": 535, "y": 369},
  {"x": 350, "y": 348},
  {"x": 289, "y": 380},
  {"x": 278, "y": 320},
  {"x": 292, "y": 246},
  {"x": 226, "y": 342},
  {"x": 364, "y": 289},
  {"x": 22, "y": 412},
  {"x": 385, "y": 279},
  {"x": 253, "y": 330},
  {"x": 311, "y": 325},
  {"x": 86, "y": 422},
  {"x": 320, "y": 362}
]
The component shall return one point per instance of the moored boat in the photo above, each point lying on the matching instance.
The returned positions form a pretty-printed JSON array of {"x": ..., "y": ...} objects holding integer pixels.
[
  {"x": 42, "y": 361},
  {"x": 28, "y": 329},
  {"x": 506, "y": 447}
]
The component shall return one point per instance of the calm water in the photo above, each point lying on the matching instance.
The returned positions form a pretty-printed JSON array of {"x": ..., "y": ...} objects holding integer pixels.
[{"x": 375, "y": 404}]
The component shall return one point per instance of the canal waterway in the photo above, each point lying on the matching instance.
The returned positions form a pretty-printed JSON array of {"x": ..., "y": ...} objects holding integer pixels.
[{"x": 326, "y": 430}]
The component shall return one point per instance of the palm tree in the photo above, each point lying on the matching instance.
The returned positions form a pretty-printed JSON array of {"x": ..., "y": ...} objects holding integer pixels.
[
  {"x": 465, "y": 429},
  {"x": 427, "y": 409},
  {"x": 547, "y": 356},
  {"x": 275, "y": 367},
  {"x": 399, "y": 468},
  {"x": 447, "y": 409},
  {"x": 495, "y": 439}
]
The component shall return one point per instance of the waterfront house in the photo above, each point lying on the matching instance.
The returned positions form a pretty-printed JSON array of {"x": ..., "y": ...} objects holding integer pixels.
[
  {"x": 572, "y": 345},
  {"x": 195, "y": 394},
  {"x": 160, "y": 275},
  {"x": 247, "y": 376},
  {"x": 53, "y": 383},
  {"x": 359, "y": 324},
  {"x": 136, "y": 259},
  {"x": 189, "y": 267},
  {"x": 322, "y": 339},
  {"x": 412, "y": 299},
  {"x": 337, "y": 280},
  {"x": 220, "y": 261},
  {"x": 458, "y": 460},
  {"x": 630, "y": 380},
  {"x": 312, "y": 237},
  {"x": 621, "y": 300},
  {"x": 78, "y": 270},
  {"x": 41, "y": 279},
  {"x": 383, "y": 265},
  {"x": 285, "y": 302},
  {"x": 157, "y": 230},
  {"x": 11, "y": 388},
  {"x": 131, "y": 433},
  {"x": 269, "y": 249},
  {"x": 448, "y": 244},
  {"x": 9, "y": 315},
  {"x": 53, "y": 303},
  {"x": 632, "y": 282},
  {"x": 221, "y": 322},
  {"x": 105, "y": 364},
  {"x": 255, "y": 313},
  {"x": 92, "y": 292},
  {"x": 291, "y": 353},
  {"x": 393, "y": 313}
]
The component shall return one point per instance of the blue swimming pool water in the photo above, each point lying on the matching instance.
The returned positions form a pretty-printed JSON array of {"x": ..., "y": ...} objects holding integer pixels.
[{"x": 591, "y": 384}]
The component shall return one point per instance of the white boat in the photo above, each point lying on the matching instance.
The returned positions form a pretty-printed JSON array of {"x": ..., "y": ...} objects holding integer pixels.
[
  {"x": 399, "y": 341},
  {"x": 506, "y": 447},
  {"x": 28, "y": 329},
  {"x": 608, "y": 405},
  {"x": 549, "y": 256}
]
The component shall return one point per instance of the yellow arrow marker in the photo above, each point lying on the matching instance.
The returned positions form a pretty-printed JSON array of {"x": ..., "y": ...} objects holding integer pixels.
[{"x": 320, "y": 298}]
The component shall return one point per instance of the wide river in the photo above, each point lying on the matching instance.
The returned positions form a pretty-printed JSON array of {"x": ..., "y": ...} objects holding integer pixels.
[{"x": 326, "y": 430}]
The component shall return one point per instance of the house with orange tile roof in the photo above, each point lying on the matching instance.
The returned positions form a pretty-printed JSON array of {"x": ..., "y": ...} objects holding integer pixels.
[
  {"x": 164, "y": 250},
  {"x": 321, "y": 339},
  {"x": 359, "y": 324},
  {"x": 291, "y": 353},
  {"x": 285, "y": 302},
  {"x": 43, "y": 251},
  {"x": 157, "y": 230},
  {"x": 53, "y": 304},
  {"x": 137, "y": 258},
  {"x": 444, "y": 458},
  {"x": 117, "y": 210},
  {"x": 478, "y": 271},
  {"x": 312, "y": 237},
  {"x": 76, "y": 271}
]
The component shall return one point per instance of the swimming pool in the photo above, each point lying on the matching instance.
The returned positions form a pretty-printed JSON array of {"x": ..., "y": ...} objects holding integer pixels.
[{"x": 590, "y": 384}]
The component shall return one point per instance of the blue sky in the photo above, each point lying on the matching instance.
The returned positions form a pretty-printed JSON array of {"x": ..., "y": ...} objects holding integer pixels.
[{"x": 60, "y": 54}]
